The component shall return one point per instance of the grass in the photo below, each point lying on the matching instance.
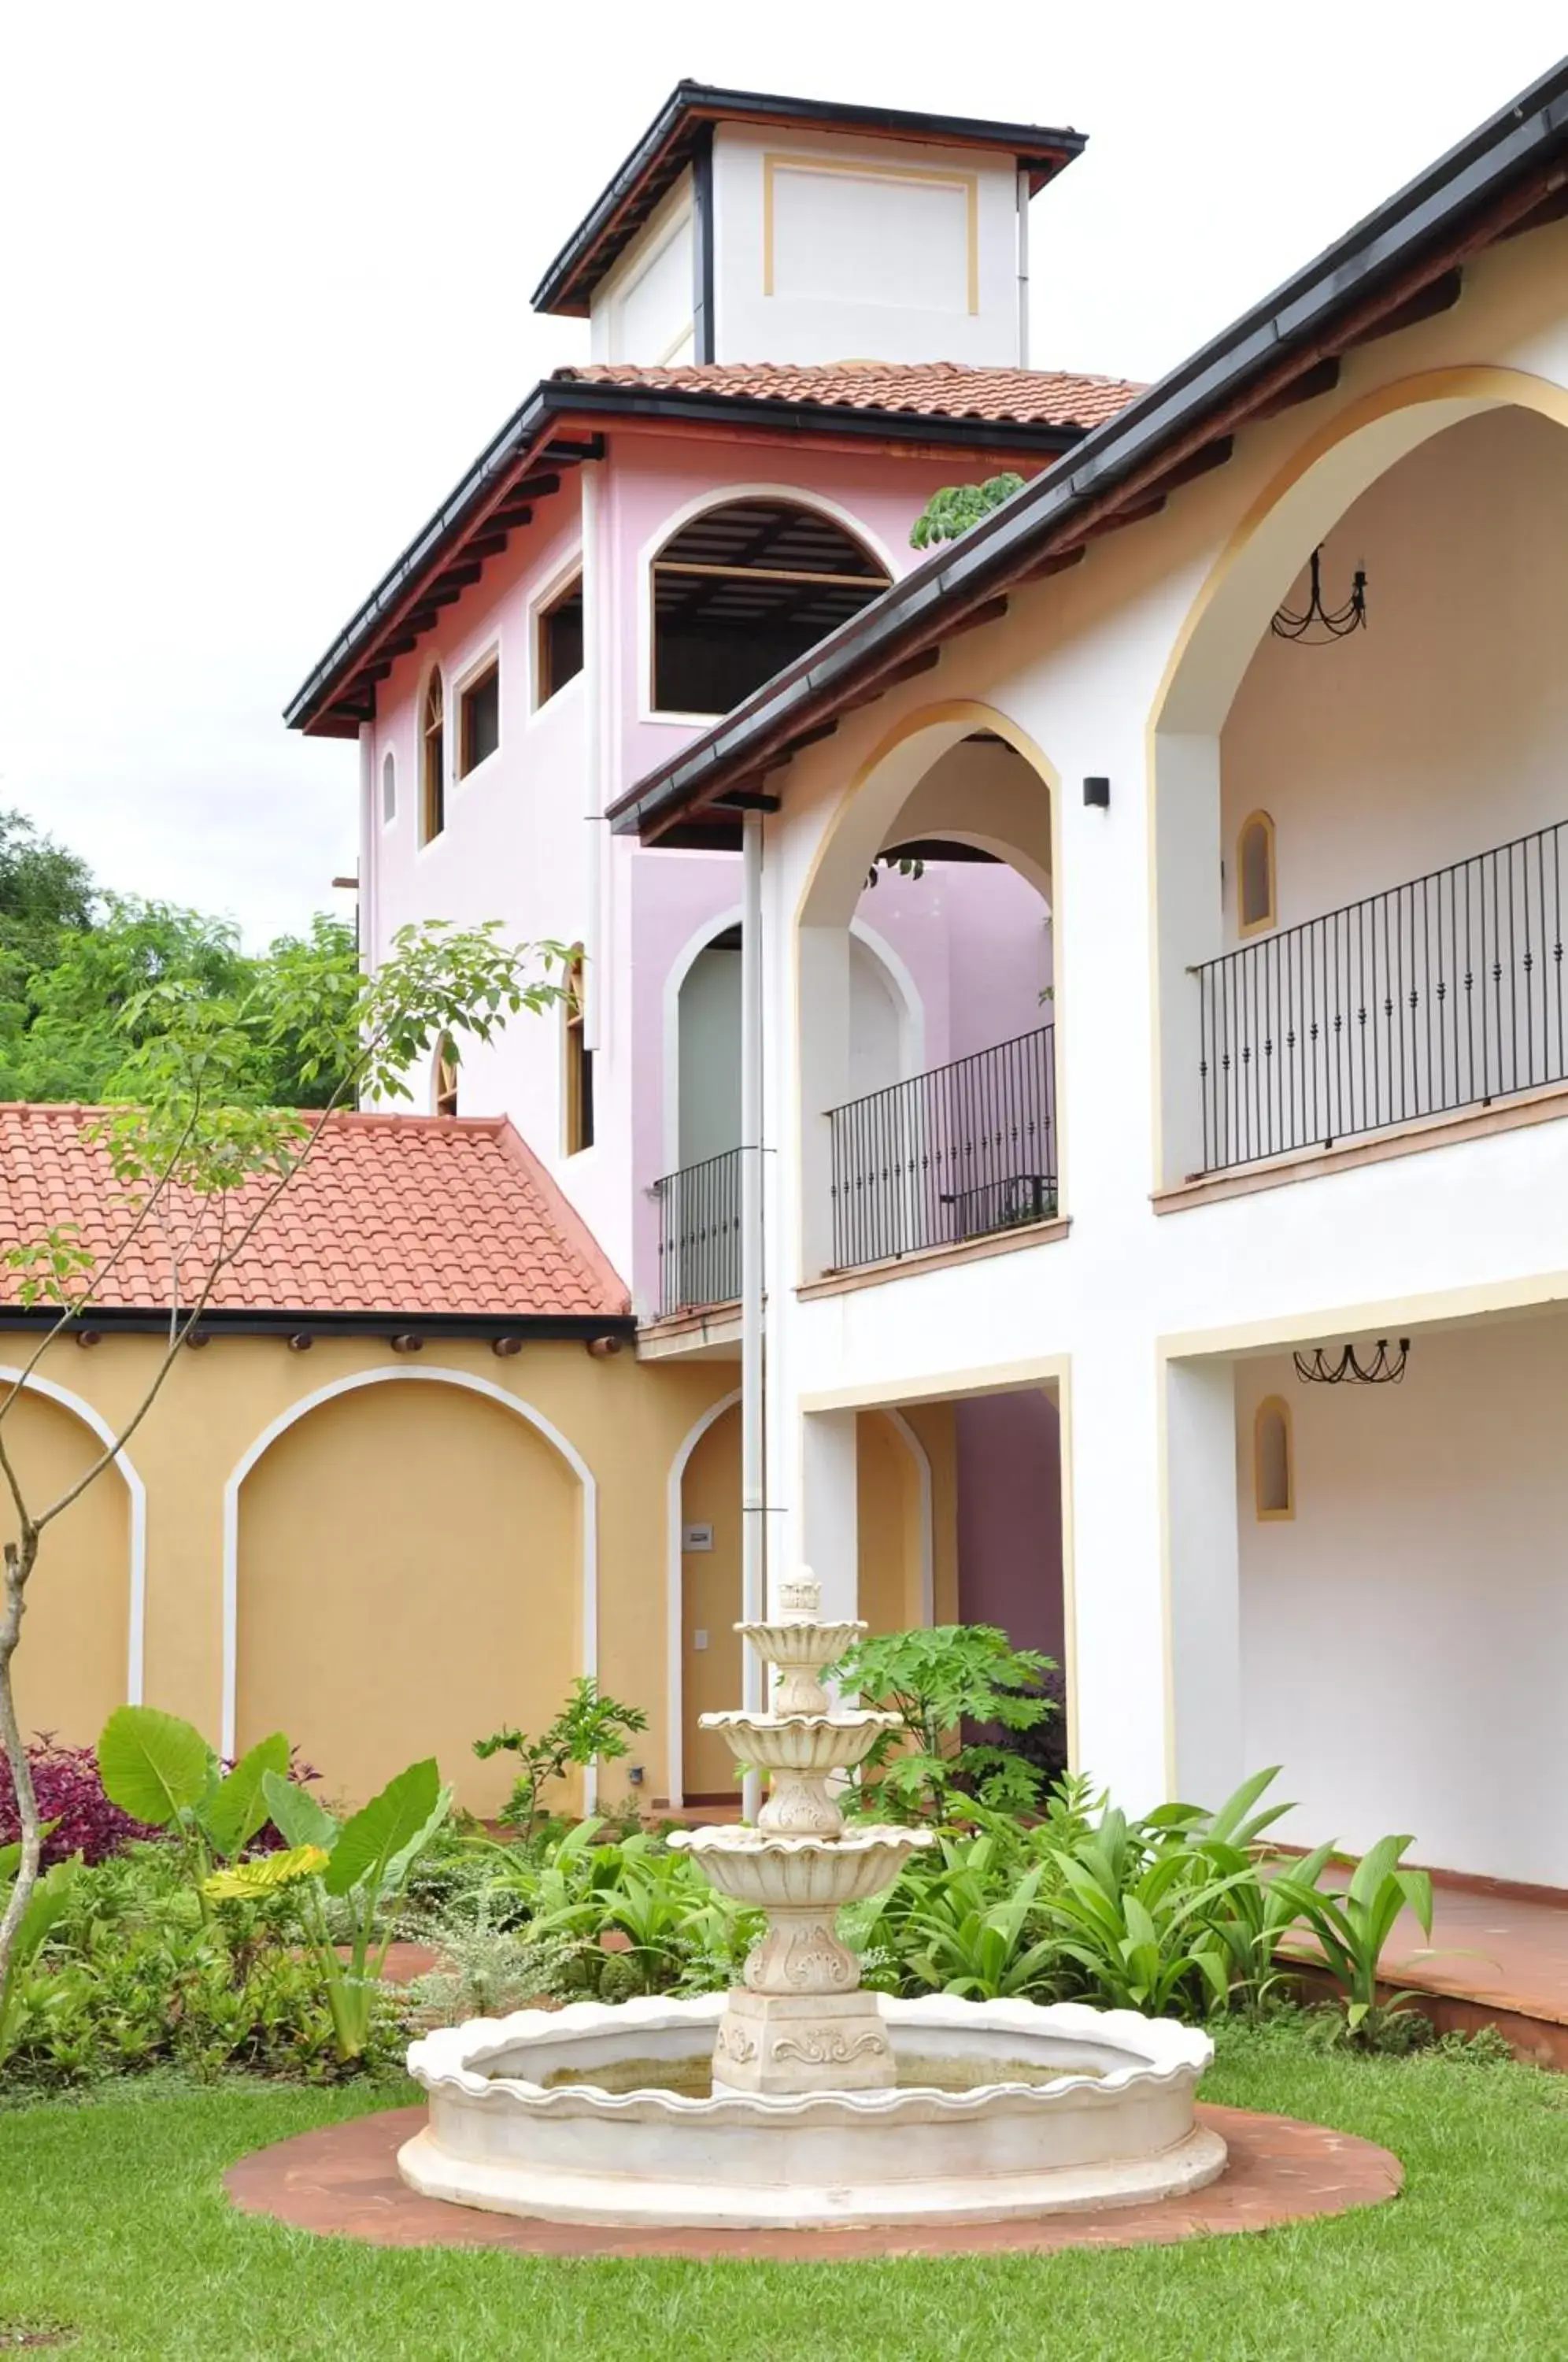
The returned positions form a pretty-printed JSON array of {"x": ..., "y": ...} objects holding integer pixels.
[{"x": 112, "y": 2222}]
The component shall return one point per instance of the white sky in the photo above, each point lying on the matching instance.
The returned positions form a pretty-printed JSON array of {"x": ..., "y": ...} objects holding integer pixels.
[{"x": 266, "y": 278}]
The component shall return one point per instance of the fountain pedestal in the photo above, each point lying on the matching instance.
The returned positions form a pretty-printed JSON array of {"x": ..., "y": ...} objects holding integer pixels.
[{"x": 800, "y": 2022}]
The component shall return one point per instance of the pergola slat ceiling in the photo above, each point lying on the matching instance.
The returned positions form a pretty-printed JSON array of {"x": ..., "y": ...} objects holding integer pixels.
[{"x": 790, "y": 567}]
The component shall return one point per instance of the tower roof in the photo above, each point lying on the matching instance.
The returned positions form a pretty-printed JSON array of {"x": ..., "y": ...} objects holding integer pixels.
[{"x": 687, "y": 119}]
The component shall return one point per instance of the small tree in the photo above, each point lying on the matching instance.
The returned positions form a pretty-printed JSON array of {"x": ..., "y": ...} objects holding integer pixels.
[
  {"x": 956, "y": 507},
  {"x": 200, "y": 1172},
  {"x": 937, "y": 1680}
]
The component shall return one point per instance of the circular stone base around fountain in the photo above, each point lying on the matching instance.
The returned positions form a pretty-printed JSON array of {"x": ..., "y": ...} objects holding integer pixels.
[
  {"x": 609, "y": 2114},
  {"x": 342, "y": 2181}
]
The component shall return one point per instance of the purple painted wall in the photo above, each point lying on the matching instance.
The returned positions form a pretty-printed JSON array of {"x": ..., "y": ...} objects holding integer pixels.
[{"x": 1010, "y": 1519}]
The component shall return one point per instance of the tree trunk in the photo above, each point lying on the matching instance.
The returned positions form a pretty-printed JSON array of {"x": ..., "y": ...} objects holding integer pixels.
[{"x": 19, "y": 1558}]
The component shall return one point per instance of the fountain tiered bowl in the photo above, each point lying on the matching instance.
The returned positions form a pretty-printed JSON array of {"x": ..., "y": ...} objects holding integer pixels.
[{"x": 800, "y": 2099}]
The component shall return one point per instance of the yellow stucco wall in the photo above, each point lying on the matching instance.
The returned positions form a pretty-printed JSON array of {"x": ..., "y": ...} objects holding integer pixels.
[{"x": 409, "y": 1553}]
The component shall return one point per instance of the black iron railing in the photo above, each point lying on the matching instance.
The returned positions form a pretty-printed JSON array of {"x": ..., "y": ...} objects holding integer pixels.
[
  {"x": 700, "y": 1234},
  {"x": 1445, "y": 992},
  {"x": 952, "y": 1154}
]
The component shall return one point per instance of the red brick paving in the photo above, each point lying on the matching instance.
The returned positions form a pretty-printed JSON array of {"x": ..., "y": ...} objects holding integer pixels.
[{"x": 343, "y": 2180}]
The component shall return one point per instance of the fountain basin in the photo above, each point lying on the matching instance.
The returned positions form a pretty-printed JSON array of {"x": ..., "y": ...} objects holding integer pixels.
[
  {"x": 519, "y": 2125},
  {"x": 802, "y": 1742},
  {"x": 804, "y": 1874}
]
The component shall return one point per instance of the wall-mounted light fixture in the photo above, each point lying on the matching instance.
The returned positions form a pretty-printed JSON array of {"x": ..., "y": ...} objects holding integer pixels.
[{"x": 1097, "y": 792}]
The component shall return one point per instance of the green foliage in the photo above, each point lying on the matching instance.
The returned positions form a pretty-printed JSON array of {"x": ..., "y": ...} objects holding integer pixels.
[
  {"x": 589, "y": 1728},
  {"x": 159, "y": 1769},
  {"x": 1353, "y": 1925},
  {"x": 46, "y": 1907},
  {"x": 936, "y": 1679},
  {"x": 363, "y": 1864},
  {"x": 956, "y": 507}
]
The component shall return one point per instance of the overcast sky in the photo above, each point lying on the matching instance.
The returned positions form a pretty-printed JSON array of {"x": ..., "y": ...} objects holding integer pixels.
[{"x": 266, "y": 279}]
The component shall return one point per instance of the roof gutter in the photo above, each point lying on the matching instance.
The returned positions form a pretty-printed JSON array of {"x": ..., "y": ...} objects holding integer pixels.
[
  {"x": 531, "y": 1327},
  {"x": 1291, "y": 325}
]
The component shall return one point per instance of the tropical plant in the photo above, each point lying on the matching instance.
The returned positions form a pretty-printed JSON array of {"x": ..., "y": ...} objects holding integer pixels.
[
  {"x": 201, "y": 1168},
  {"x": 589, "y": 1728},
  {"x": 160, "y": 1772},
  {"x": 361, "y": 1864},
  {"x": 964, "y": 1943},
  {"x": 1351, "y": 1927},
  {"x": 46, "y": 1905},
  {"x": 936, "y": 1679},
  {"x": 956, "y": 507}
]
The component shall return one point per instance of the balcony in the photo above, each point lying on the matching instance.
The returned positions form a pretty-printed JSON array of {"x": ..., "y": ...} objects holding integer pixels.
[
  {"x": 958, "y": 1153},
  {"x": 700, "y": 1235},
  {"x": 1440, "y": 994}
]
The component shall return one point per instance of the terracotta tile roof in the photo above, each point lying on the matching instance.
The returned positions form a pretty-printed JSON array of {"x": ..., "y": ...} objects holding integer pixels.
[
  {"x": 391, "y": 1214},
  {"x": 918, "y": 389}
]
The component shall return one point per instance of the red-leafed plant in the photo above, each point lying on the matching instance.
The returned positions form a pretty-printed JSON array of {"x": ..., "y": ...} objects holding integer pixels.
[{"x": 80, "y": 1817}]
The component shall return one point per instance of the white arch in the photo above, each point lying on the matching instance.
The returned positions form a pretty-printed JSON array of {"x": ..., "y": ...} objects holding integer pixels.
[
  {"x": 135, "y": 1651},
  {"x": 922, "y": 1459},
  {"x": 674, "y": 1574},
  {"x": 906, "y": 996},
  {"x": 681, "y": 966},
  {"x": 722, "y": 496},
  {"x": 433, "y": 1376}
]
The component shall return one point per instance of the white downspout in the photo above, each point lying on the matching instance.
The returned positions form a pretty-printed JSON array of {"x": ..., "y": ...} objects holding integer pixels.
[
  {"x": 595, "y": 583},
  {"x": 1023, "y": 271},
  {"x": 754, "y": 1481}
]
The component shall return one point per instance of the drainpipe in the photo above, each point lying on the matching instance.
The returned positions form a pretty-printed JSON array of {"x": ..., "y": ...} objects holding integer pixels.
[
  {"x": 1023, "y": 271},
  {"x": 753, "y": 1483},
  {"x": 596, "y": 653}
]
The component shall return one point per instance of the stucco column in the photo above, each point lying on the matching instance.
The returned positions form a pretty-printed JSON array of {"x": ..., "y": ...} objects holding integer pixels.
[
  {"x": 824, "y": 1083},
  {"x": 1116, "y": 1641},
  {"x": 1189, "y": 924},
  {"x": 1203, "y": 1579},
  {"x": 829, "y": 1520}
]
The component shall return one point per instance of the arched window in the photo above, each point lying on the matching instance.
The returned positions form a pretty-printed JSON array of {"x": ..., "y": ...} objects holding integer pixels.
[
  {"x": 1274, "y": 1460},
  {"x": 446, "y": 1076},
  {"x": 433, "y": 763},
  {"x": 1254, "y": 874},
  {"x": 577, "y": 1112},
  {"x": 389, "y": 788},
  {"x": 744, "y": 589}
]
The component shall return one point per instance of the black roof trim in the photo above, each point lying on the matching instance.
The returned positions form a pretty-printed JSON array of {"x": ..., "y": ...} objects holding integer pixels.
[
  {"x": 663, "y": 152},
  {"x": 558, "y": 400},
  {"x": 121, "y": 1320},
  {"x": 1514, "y": 147}
]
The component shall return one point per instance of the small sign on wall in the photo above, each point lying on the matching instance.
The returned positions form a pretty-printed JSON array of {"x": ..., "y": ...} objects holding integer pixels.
[{"x": 697, "y": 1538}]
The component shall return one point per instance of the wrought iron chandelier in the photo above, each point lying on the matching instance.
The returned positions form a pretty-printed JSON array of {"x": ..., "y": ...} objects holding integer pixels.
[
  {"x": 1315, "y": 626},
  {"x": 1385, "y": 1369}
]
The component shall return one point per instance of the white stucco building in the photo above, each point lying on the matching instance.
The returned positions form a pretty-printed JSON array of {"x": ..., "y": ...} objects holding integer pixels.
[{"x": 1300, "y": 1076}]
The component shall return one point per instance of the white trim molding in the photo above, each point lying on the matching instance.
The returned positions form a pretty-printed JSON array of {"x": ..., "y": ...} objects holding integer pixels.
[
  {"x": 439, "y": 1377},
  {"x": 136, "y": 1646}
]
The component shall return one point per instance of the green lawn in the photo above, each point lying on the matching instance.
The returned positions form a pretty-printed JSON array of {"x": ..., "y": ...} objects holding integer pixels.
[{"x": 112, "y": 2220}]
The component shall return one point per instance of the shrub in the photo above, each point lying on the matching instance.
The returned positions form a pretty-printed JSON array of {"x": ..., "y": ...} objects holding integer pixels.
[
  {"x": 937, "y": 1680},
  {"x": 589, "y": 1728},
  {"x": 70, "y": 1791}
]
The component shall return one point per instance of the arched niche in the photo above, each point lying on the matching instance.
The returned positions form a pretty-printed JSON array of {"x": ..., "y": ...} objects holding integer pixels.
[{"x": 410, "y": 1564}]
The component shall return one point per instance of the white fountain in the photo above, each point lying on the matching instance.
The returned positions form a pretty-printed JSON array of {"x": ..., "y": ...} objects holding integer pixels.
[{"x": 799, "y": 2098}]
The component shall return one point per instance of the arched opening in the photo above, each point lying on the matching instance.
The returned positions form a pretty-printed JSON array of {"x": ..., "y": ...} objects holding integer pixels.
[
  {"x": 389, "y": 789},
  {"x": 709, "y": 1602},
  {"x": 1274, "y": 1461},
  {"x": 943, "y": 847},
  {"x": 1400, "y": 968},
  {"x": 742, "y": 589},
  {"x": 433, "y": 761},
  {"x": 699, "y": 1194},
  {"x": 383, "y": 1513},
  {"x": 70, "y": 1671}
]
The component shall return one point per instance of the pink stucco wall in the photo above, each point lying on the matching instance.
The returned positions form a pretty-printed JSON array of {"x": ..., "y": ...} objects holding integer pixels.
[{"x": 1010, "y": 1519}]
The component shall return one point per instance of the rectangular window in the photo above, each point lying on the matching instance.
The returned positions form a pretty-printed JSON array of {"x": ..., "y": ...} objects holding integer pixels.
[
  {"x": 481, "y": 719},
  {"x": 579, "y": 1064},
  {"x": 560, "y": 640}
]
